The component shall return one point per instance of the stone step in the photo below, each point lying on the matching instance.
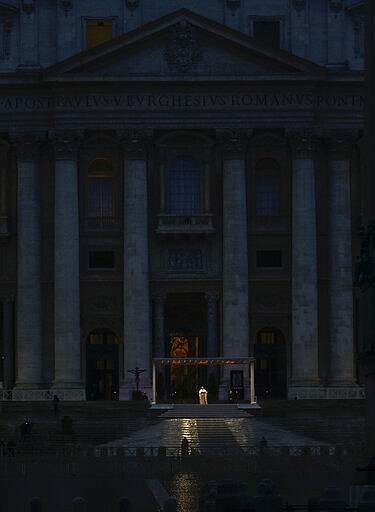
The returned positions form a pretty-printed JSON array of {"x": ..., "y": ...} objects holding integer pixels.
[{"x": 205, "y": 411}]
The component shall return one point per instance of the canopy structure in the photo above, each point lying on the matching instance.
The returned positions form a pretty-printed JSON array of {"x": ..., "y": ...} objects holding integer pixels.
[{"x": 203, "y": 361}]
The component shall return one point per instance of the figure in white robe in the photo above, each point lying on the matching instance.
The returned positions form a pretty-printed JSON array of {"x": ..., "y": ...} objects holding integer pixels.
[{"x": 203, "y": 396}]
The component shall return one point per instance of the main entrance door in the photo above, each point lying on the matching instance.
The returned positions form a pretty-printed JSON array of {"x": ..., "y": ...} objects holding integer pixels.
[
  {"x": 186, "y": 320},
  {"x": 102, "y": 366}
]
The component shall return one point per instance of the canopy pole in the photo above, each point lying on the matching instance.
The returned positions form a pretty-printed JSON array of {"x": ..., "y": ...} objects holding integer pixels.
[
  {"x": 153, "y": 382},
  {"x": 252, "y": 390}
]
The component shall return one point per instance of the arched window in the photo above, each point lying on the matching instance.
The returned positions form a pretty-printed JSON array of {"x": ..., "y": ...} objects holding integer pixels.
[
  {"x": 267, "y": 188},
  {"x": 184, "y": 186},
  {"x": 101, "y": 204}
]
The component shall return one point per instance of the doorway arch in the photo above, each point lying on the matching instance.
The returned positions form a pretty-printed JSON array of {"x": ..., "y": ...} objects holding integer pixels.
[
  {"x": 270, "y": 367},
  {"x": 102, "y": 365}
]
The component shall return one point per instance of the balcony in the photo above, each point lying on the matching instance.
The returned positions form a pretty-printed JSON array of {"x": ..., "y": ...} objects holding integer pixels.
[{"x": 185, "y": 224}]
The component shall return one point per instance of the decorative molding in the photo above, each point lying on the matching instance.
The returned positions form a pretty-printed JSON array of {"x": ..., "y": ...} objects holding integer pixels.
[
  {"x": 336, "y": 5},
  {"x": 66, "y": 144},
  {"x": 136, "y": 143},
  {"x": 27, "y": 146},
  {"x": 28, "y": 6},
  {"x": 182, "y": 52},
  {"x": 5, "y": 48},
  {"x": 233, "y": 5},
  {"x": 299, "y": 5},
  {"x": 132, "y": 4},
  {"x": 185, "y": 260},
  {"x": 302, "y": 143},
  {"x": 66, "y": 6},
  {"x": 101, "y": 303},
  {"x": 234, "y": 142},
  {"x": 339, "y": 145}
]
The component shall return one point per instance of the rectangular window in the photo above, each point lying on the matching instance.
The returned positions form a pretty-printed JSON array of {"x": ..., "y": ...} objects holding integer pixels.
[
  {"x": 98, "y": 32},
  {"x": 101, "y": 203},
  {"x": 268, "y": 259},
  {"x": 267, "y": 196},
  {"x": 101, "y": 259},
  {"x": 267, "y": 32}
]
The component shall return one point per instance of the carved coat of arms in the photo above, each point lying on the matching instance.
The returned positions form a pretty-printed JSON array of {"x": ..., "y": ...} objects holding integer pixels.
[{"x": 182, "y": 51}]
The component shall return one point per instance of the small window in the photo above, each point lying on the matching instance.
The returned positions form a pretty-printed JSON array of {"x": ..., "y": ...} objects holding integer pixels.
[
  {"x": 101, "y": 260},
  {"x": 98, "y": 32},
  {"x": 268, "y": 258},
  {"x": 267, "y": 32},
  {"x": 266, "y": 337}
]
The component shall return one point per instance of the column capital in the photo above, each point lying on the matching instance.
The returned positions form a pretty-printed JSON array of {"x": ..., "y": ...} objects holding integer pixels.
[
  {"x": 27, "y": 146},
  {"x": 159, "y": 297},
  {"x": 339, "y": 144},
  {"x": 66, "y": 144},
  {"x": 233, "y": 143},
  {"x": 302, "y": 143},
  {"x": 136, "y": 143},
  {"x": 211, "y": 297}
]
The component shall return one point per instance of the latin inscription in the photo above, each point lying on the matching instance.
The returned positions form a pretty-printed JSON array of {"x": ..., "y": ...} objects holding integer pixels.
[{"x": 178, "y": 101}]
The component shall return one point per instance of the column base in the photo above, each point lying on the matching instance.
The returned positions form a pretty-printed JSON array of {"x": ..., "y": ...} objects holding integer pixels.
[
  {"x": 314, "y": 392},
  {"x": 33, "y": 394}
]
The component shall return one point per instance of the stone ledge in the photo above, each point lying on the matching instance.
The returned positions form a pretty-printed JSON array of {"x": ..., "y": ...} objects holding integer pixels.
[
  {"x": 334, "y": 392},
  {"x": 29, "y": 395}
]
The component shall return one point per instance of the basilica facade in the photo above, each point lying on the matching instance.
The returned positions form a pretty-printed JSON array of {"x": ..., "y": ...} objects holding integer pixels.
[{"x": 180, "y": 181}]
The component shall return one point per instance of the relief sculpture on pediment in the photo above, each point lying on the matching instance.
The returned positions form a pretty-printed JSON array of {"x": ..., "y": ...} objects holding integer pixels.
[{"x": 182, "y": 51}]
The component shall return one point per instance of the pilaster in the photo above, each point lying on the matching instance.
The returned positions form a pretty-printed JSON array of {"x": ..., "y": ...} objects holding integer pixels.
[
  {"x": 67, "y": 285},
  {"x": 304, "y": 264},
  {"x": 235, "y": 253},
  {"x": 8, "y": 342},
  {"x": 29, "y": 331},
  {"x": 29, "y": 57},
  {"x": 340, "y": 259},
  {"x": 4, "y": 228},
  {"x": 137, "y": 314}
]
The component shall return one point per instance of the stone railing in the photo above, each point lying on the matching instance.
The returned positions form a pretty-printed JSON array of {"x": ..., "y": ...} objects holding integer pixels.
[
  {"x": 200, "y": 223},
  {"x": 25, "y": 395}
]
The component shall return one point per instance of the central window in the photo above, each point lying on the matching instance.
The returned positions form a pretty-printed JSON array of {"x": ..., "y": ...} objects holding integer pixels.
[
  {"x": 184, "y": 186},
  {"x": 101, "y": 207}
]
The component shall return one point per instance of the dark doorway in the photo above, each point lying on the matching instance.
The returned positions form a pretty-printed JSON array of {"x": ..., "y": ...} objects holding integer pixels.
[
  {"x": 186, "y": 322},
  {"x": 102, "y": 366},
  {"x": 270, "y": 365}
]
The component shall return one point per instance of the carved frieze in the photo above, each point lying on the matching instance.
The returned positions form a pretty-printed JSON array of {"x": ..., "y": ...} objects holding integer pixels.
[
  {"x": 185, "y": 260},
  {"x": 339, "y": 145},
  {"x": 182, "y": 51}
]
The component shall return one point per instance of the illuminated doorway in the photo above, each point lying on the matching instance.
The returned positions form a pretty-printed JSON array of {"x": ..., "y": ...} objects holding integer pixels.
[
  {"x": 102, "y": 365},
  {"x": 270, "y": 367},
  {"x": 186, "y": 321}
]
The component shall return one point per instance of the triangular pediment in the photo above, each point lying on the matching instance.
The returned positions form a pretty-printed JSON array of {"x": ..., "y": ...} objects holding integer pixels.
[{"x": 182, "y": 45}]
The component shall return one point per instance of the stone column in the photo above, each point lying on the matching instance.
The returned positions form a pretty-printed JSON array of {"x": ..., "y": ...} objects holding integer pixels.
[
  {"x": 341, "y": 278},
  {"x": 28, "y": 34},
  {"x": 67, "y": 286},
  {"x": 235, "y": 258},
  {"x": 8, "y": 342},
  {"x": 4, "y": 229},
  {"x": 212, "y": 299},
  {"x": 159, "y": 337},
  {"x": 29, "y": 332},
  {"x": 304, "y": 268},
  {"x": 137, "y": 322}
]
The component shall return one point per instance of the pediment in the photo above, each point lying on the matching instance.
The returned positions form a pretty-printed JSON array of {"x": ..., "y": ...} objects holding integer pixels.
[
  {"x": 182, "y": 45},
  {"x": 7, "y": 9}
]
